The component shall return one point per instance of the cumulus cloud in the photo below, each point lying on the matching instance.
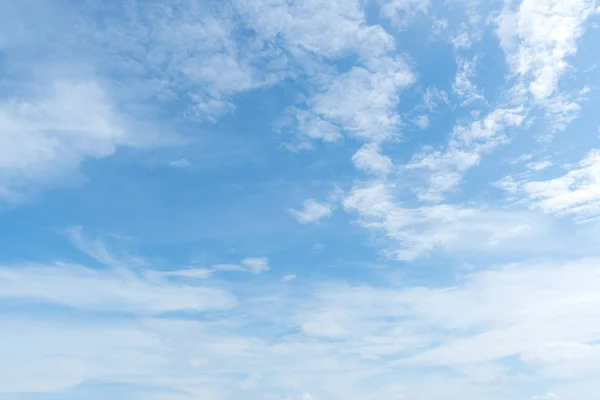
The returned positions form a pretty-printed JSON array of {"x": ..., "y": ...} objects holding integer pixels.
[
  {"x": 537, "y": 38},
  {"x": 360, "y": 103},
  {"x": 369, "y": 158}
]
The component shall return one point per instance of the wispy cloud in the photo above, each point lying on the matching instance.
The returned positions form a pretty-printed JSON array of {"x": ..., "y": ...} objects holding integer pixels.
[
  {"x": 400, "y": 12},
  {"x": 576, "y": 193},
  {"x": 107, "y": 290},
  {"x": 465, "y": 147},
  {"x": 313, "y": 211},
  {"x": 491, "y": 313},
  {"x": 189, "y": 51},
  {"x": 98, "y": 250},
  {"x": 539, "y": 60},
  {"x": 46, "y": 135},
  {"x": 415, "y": 231},
  {"x": 422, "y": 122},
  {"x": 538, "y": 165},
  {"x": 463, "y": 86},
  {"x": 254, "y": 265}
]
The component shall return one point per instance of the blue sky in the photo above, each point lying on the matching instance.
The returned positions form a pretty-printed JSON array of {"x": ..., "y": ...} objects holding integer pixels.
[{"x": 299, "y": 199}]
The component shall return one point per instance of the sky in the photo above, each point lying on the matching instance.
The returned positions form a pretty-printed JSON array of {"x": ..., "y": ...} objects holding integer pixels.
[{"x": 299, "y": 199}]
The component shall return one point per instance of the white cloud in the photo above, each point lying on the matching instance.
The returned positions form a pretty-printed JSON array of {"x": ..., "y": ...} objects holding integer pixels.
[
  {"x": 419, "y": 230},
  {"x": 314, "y": 128},
  {"x": 507, "y": 184},
  {"x": 313, "y": 212},
  {"x": 257, "y": 265},
  {"x": 326, "y": 29},
  {"x": 576, "y": 193},
  {"x": 331, "y": 30},
  {"x": 543, "y": 313},
  {"x": 399, "y": 12},
  {"x": 119, "y": 290},
  {"x": 561, "y": 110},
  {"x": 522, "y": 158},
  {"x": 49, "y": 356},
  {"x": 438, "y": 26},
  {"x": 369, "y": 158},
  {"x": 524, "y": 309},
  {"x": 461, "y": 41},
  {"x": 361, "y": 102},
  {"x": 95, "y": 248},
  {"x": 98, "y": 250},
  {"x": 327, "y": 324},
  {"x": 254, "y": 265},
  {"x": 433, "y": 97},
  {"x": 289, "y": 278},
  {"x": 538, "y": 37},
  {"x": 464, "y": 149},
  {"x": 538, "y": 165},
  {"x": 422, "y": 122},
  {"x": 463, "y": 86},
  {"x": 193, "y": 53},
  {"x": 44, "y": 137},
  {"x": 182, "y": 51},
  {"x": 157, "y": 54},
  {"x": 191, "y": 273}
]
